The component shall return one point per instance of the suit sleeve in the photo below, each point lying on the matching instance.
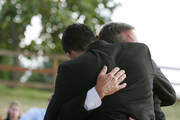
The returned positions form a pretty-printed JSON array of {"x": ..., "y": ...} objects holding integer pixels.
[
  {"x": 163, "y": 88},
  {"x": 65, "y": 105},
  {"x": 157, "y": 109},
  {"x": 74, "y": 109}
]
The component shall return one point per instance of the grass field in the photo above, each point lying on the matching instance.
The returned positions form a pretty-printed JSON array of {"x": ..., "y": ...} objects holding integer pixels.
[
  {"x": 38, "y": 98},
  {"x": 27, "y": 96}
]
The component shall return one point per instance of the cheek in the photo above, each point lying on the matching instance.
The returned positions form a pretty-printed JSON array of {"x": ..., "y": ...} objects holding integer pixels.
[{"x": 15, "y": 113}]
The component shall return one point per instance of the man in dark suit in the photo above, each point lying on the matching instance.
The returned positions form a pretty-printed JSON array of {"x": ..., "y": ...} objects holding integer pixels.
[
  {"x": 107, "y": 84},
  {"x": 77, "y": 76},
  {"x": 122, "y": 32}
]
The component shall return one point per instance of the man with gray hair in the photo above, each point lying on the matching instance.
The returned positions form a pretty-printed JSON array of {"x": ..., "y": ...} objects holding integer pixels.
[
  {"x": 164, "y": 94},
  {"x": 77, "y": 78}
]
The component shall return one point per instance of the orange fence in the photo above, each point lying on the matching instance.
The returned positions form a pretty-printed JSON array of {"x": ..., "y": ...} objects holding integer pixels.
[{"x": 52, "y": 71}]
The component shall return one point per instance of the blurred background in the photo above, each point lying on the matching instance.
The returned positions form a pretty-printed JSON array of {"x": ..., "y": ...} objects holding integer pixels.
[{"x": 31, "y": 30}]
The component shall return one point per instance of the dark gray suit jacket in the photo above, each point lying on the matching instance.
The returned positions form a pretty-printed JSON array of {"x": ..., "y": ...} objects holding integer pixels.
[{"x": 77, "y": 76}]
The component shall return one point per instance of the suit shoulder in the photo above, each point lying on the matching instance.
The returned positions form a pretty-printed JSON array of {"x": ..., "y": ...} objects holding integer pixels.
[
  {"x": 130, "y": 44},
  {"x": 133, "y": 46},
  {"x": 66, "y": 64},
  {"x": 142, "y": 45},
  {"x": 85, "y": 58}
]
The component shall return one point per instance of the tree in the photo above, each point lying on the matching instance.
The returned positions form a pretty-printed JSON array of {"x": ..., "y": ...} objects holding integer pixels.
[
  {"x": 15, "y": 15},
  {"x": 55, "y": 15}
]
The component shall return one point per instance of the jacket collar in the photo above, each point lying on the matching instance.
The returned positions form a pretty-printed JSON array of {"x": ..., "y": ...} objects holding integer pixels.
[{"x": 97, "y": 44}]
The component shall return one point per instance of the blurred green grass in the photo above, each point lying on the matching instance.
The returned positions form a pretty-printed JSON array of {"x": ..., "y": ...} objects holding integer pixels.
[
  {"x": 30, "y": 97},
  {"x": 172, "y": 112}
]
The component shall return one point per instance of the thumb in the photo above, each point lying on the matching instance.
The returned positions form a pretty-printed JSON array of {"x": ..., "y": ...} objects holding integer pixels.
[{"x": 103, "y": 71}]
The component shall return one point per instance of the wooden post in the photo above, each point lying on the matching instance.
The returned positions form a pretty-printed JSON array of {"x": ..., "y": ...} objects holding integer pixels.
[
  {"x": 55, "y": 66},
  {"x": 51, "y": 71}
]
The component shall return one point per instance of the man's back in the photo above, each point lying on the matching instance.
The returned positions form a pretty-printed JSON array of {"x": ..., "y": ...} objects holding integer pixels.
[{"x": 136, "y": 100}]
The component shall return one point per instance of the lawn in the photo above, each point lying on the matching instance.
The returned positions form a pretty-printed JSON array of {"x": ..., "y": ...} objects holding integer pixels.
[
  {"x": 38, "y": 98},
  {"x": 27, "y": 96},
  {"x": 172, "y": 112}
]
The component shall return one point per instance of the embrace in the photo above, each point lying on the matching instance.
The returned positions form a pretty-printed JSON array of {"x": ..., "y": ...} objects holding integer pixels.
[{"x": 109, "y": 77}]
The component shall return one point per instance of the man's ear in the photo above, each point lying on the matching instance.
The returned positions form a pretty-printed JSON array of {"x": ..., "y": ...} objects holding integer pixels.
[
  {"x": 128, "y": 33},
  {"x": 132, "y": 36},
  {"x": 97, "y": 37},
  {"x": 69, "y": 55},
  {"x": 129, "y": 36},
  {"x": 125, "y": 36}
]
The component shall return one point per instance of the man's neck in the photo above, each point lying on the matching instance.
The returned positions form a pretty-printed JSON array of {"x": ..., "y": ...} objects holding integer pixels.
[{"x": 75, "y": 54}]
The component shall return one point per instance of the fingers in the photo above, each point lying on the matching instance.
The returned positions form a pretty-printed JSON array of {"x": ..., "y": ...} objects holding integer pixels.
[
  {"x": 122, "y": 86},
  {"x": 131, "y": 118},
  {"x": 103, "y": 71},
  {"x": 108, "y": 84},
  {"x": 114, "y": 71},
  {"x": 119, "y": 74},
  {"x": 121, "y": 78}
]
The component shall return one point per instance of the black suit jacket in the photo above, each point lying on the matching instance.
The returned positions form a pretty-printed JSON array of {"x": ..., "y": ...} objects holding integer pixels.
[
  {"x": 164, "y": 94},
  {"x": 77, "y": 76}
]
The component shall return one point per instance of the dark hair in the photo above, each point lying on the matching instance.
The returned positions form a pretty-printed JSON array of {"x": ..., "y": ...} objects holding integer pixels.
[
  {"x": 111, "y": 32},
  {"x": 77, "y": 37}
]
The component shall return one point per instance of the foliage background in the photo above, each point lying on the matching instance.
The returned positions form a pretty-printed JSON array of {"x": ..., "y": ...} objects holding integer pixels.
[{"x": 55, "y": 15}]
